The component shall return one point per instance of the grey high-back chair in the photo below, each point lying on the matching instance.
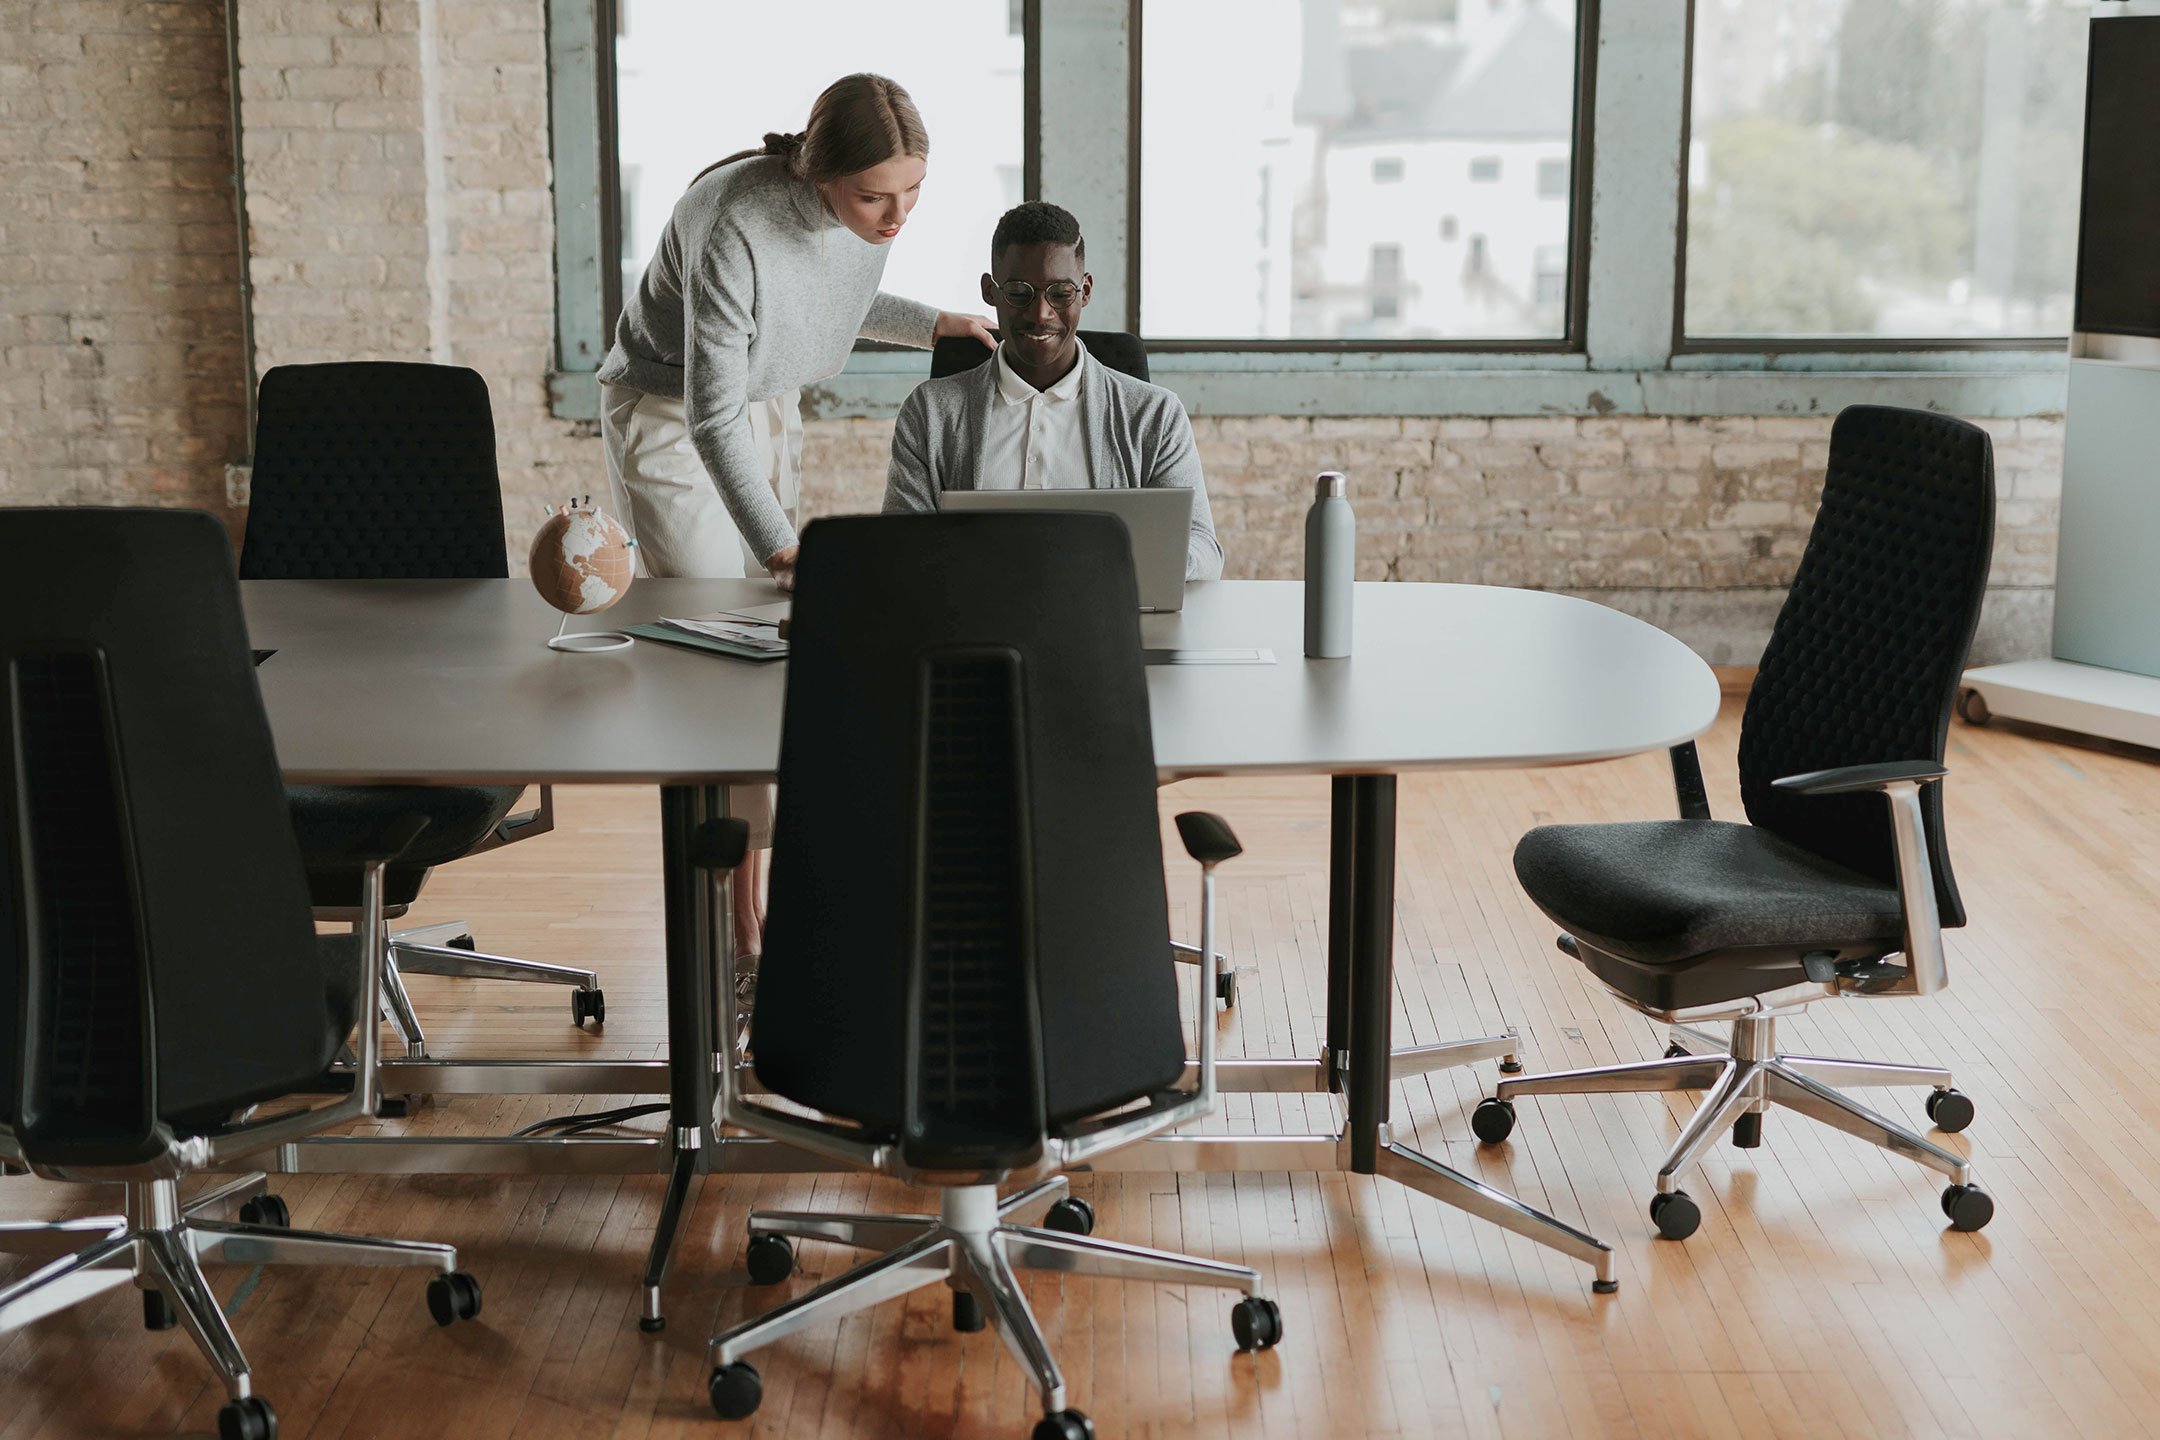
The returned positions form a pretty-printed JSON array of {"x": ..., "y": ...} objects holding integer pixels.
[
  {"x": 160, "y": 974},
  {"x": 1839, "y": 887},
  {"x": 966, "y": 974}
]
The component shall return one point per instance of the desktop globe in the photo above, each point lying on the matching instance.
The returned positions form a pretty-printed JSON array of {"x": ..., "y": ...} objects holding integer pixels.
[{"x": 581, "y": 564}]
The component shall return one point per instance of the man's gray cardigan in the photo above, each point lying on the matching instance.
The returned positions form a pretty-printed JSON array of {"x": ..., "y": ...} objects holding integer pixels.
[{"x": 1136, "y": 434}]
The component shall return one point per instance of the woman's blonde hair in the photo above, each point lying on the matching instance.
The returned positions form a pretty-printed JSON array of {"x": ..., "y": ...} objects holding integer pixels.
[{"x": 858, "y": 123}]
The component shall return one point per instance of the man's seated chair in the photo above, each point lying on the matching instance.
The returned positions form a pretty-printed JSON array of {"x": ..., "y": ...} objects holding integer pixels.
[
  {"x": 385, "y": 470},
  {"x": 966, "y": 974},
  {"x": 1840, "y": 885},
  {"x": 159, "y": 968},
  {"x": 1124, "y": 353}
]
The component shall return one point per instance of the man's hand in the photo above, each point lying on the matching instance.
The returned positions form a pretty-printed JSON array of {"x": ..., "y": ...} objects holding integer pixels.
[
  {"x": 782, "y": 567},
  {"x": 949, "y": 323}
]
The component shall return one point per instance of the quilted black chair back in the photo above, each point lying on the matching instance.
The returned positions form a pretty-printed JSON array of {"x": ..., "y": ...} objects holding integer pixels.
[
  {"x": 1864, "y": 661},
  {"x": 157, "y": 953},
  {"x": 374, "y": 470},
  {"x": 968, "y": 942},
  {"x": 1114, "y": 348}
]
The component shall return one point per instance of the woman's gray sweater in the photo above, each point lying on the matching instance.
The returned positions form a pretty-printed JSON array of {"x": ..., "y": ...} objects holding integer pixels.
[{"x": 754, "y": 290}]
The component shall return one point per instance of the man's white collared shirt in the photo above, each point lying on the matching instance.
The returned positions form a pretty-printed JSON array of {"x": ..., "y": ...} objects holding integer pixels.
[{"x": 1034, "y": 439}]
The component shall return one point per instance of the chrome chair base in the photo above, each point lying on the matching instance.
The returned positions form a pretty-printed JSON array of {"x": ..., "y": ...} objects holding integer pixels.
[
  {"x": 975, "y": 1245},
  {"x": 1745, "y": 1077},
  {"x": 415, "y": 952},
  {"x": 159, "y": 1246}
]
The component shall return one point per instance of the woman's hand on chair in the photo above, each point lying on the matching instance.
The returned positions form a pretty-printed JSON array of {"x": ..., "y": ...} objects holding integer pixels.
[{"x": 951, "y": 323}]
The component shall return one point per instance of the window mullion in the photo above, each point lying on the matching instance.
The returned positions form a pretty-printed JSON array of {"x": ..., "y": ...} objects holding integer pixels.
[
  {"x": 1635, "y": 183},
  {"x": 1086, "y": 62}
]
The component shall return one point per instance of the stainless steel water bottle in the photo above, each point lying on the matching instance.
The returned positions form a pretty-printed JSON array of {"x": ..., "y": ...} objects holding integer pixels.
[{"x": 1330, "y": 565}]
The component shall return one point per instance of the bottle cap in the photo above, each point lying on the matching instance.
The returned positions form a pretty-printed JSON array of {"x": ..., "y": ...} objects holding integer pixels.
[{"x": 1330, "y": 486}]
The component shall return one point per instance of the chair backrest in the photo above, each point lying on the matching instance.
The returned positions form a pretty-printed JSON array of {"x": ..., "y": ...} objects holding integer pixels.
[
  {"x": 968, "y": 941},
  {"x": 1114, "y": 348},
  {"x": 1864, "y": 661},
  {"x": 374, "y": 470},
  {"x": 157, "y": 955}
]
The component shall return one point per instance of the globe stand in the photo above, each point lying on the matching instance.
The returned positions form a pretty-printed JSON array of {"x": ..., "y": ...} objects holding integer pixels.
[{"x": 588, "y": 642}]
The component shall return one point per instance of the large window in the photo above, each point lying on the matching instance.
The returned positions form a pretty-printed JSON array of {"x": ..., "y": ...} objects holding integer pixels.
[
  {"x": 1883, "y": 168},
  {"x": 697, "y": 80},
  {"x": 1316, "y": 136}
]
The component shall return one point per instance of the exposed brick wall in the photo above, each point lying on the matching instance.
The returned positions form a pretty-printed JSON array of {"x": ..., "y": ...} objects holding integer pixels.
[
  {"x": 1695, "y": 525},
  {"x": 398, "y": 201},
  {"x": 398, "y": 195},
  {"x": 119, "y": 303}
]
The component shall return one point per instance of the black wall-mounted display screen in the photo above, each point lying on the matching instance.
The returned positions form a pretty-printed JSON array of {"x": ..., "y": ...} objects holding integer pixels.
[{"x": 2118, "y": 279}]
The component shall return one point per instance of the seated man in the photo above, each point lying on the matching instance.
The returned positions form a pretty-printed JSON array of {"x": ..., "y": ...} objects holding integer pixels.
[{"x": 1044, "y": 414}]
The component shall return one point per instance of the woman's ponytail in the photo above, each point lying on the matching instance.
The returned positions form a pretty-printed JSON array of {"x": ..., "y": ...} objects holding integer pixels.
[{"x": 859, "y": 122}]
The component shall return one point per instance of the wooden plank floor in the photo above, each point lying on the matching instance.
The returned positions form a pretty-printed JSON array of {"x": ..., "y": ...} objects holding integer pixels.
[{"x": 1822, "y": 1295}]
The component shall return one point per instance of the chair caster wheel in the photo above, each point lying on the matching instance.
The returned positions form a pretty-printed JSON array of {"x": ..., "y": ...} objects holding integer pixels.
[
  {"x": 1509, "y": 1065},
  {"x": 1493, "y": 1120},
  {"x": 1064, "y": 1425},
  {"x": 1605, "y": 1287},
  {"x": 770, "y": 1259},
  {"x": 1072, "y": 1215},
  {"x": 652, "y": 1324},
  {"x": 735, "y": 1390},
  {"x": 266, "y": 1210},
  {"x": 1675, "y": 1215},
  {"x": 249, "y": 1419},
  {"x": 967, "y": 1312},
  {"x": 453, "y": 1297},
  {"x": 157, "y": 1311},
  {"x": 394, "y": 1107},
  {"x": 1256, "y": 1322},
  {"x": 1226, "y": 989},
  {"x": 1968, "y": 1207},
  {"x": 460, "y": 942},
  {"x": 1676, "y": 1051},
  {"x": 588, "y": 1005},
  {"x": 1951, "y": 1110}
]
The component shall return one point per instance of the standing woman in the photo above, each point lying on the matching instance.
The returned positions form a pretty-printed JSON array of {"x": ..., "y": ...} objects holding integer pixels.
[{"x": 765, "y": 276}]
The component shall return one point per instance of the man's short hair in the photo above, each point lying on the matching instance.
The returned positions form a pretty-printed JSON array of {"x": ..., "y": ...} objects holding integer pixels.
[{"x": 1037, "y": 223}]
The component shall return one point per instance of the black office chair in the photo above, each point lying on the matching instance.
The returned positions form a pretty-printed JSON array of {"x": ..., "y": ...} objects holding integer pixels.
[
  {"x": 383, "y": 470},
  {"x": 1121, "y": 352},
  {"x": 1696, "y": 920},
  {"x": 964, "y": 956},
  {"x": 159, "y": 967},
  {"x": 957, "y": 354}
]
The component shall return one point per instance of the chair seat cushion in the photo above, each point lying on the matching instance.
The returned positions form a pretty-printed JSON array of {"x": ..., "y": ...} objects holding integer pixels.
[
  {"x": 1660, "y": 892},
  {"x": 330, "y": 820}
]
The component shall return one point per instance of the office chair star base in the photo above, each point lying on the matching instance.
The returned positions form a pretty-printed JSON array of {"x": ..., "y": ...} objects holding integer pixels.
[
  {"x": 159, "y": 1246},
  {"x": 414, "y": 957},
  {"x": 1743, "y": 1079},
  {"x": 974, "y": 1246}
]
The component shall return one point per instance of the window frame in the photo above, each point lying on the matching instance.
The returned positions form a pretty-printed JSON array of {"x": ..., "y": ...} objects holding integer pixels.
[
  {"x": 1778, "y": 345},
  {"x": 1623, "y": 352}
]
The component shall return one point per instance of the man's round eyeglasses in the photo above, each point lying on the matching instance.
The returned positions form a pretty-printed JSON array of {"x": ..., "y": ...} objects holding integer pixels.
[{"x": 1060, "y": 293}]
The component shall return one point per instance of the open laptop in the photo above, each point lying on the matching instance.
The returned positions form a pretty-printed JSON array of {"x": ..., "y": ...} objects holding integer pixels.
[{"x": 1157, "y": 521}]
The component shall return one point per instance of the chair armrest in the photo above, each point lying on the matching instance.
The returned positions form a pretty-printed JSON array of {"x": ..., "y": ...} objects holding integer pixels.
[
  {"x": 1898, "y": 782},
  {"x": 1687, "y": 782},
  {"x": 720, "y": 844},
  {"x": 1847, "y": 778},
  {"x": 1208, "y": 838},
  {"x": 519, "y": 825}
]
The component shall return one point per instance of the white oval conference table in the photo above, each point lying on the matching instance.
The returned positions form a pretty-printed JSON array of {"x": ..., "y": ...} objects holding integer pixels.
[{"x": 436, "y": 682}]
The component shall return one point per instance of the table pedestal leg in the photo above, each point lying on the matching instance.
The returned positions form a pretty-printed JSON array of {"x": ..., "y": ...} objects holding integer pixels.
[
  {"x": 1367, "y": 924},
  {"x": 691, "y": 1011}
]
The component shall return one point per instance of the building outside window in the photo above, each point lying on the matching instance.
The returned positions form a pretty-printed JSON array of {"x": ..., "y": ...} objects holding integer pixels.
[{"x": 1391, "y": 123}]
